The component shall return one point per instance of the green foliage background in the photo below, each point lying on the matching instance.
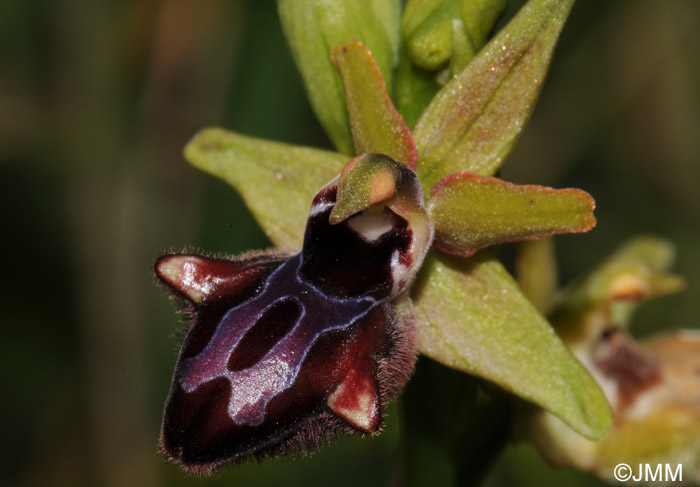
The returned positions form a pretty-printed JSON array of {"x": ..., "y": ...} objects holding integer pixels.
[{"x": 97, "y": 100}]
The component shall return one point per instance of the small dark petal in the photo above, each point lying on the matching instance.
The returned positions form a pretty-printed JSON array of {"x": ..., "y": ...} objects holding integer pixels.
[
  {"x": 235, "y": 282},
  {"x": 198, "y": 278}
]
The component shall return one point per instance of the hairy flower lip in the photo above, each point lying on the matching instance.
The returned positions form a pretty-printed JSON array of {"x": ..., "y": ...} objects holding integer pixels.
[{"x": 283, "y": 353}]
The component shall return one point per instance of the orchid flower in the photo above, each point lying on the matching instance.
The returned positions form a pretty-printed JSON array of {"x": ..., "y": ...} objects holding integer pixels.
[{"x": 379, "y": 245}]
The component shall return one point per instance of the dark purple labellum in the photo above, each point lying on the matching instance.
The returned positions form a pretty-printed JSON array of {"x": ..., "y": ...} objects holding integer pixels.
[{"x": 284, "y": 352}]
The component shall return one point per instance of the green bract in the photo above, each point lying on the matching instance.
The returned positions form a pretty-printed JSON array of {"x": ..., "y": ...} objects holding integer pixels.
[
  {"x": 437, "y": 30},
  {"x": 471, "y": 315}
]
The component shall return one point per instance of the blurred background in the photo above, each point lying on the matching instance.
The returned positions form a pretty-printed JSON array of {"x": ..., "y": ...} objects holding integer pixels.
[{"x": 97, "y": 100}]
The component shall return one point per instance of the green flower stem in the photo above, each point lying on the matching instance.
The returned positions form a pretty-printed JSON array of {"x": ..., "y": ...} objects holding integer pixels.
[{"x": 536, "y": 269}]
